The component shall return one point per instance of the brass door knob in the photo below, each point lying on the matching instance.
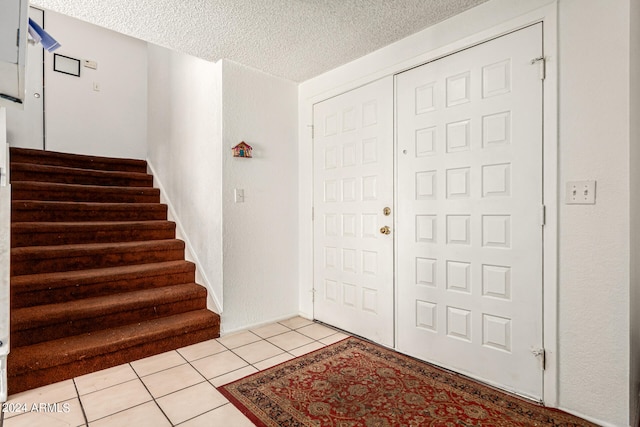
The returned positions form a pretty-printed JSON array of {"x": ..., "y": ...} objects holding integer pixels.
[
  {"x": 385, "y": 230},
  {"x": 386, "y": 211}
]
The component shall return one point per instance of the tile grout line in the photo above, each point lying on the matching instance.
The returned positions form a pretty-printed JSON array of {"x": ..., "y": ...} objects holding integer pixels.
[
  {"x": 84, "y": 413},
  {"x": 150, "y": 394},
  {"x": 205, "y": 380},
  {"x": 313, "y": 340}
]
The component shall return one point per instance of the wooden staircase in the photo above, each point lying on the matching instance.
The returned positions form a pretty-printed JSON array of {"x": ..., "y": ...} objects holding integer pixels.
[{"x": 97, "y": 276}]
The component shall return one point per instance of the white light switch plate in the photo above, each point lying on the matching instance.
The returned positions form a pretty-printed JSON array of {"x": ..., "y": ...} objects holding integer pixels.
[{"x": 581, "y": 193}]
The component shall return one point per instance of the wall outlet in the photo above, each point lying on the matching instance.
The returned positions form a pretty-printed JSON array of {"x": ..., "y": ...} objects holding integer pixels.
[{"x": 581, "y": 193}]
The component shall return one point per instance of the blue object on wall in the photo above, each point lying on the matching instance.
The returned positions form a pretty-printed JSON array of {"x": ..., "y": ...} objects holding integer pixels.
[{"x": 42, "y": 37}]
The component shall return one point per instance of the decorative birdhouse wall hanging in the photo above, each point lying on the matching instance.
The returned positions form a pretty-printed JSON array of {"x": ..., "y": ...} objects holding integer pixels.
[{"x": 242, "y": 150}]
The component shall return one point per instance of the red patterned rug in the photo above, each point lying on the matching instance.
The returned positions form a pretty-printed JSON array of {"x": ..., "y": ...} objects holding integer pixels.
[{"x": 356, "y": 383}]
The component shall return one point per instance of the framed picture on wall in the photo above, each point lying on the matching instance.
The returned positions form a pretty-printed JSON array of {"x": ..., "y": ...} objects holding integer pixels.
[{"x": 66, "y": 65}]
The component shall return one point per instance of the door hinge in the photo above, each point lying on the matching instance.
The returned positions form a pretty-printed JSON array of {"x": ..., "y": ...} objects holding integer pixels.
[
  {"x": 543, "y": 215},
  {"x": 313, "y": 294},
  {"x": 541, "y": 354},
  {"x": 541, "y": 61},
  {"x": 313, "y": 133}
]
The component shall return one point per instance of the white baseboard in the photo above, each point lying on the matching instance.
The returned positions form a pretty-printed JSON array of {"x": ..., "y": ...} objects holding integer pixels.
[
  {"x": 588, "y": 418},
  {"x": 256, "y": 325}
]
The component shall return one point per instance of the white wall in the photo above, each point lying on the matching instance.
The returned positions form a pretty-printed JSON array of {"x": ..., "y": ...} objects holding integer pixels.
[
  {"x": 111, "y": 122},
  {"x": 594, "y": 279},
  {"x": 185, "y": 153},
  {"x": 245, "y": 252},
  {"x": 260, "y": 235},
  {"x": 634, "y": 300},
  {"x": 593, "y": 330}
]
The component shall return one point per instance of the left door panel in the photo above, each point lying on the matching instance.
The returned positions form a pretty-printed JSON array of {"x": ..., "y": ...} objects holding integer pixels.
[{"x": 353, "y": 184}]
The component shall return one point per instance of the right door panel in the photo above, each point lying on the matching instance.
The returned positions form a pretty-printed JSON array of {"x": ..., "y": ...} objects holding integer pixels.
[{"x": 469, "y": 230}]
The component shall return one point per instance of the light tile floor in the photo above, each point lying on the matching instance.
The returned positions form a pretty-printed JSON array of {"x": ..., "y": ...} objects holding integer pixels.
[{"x": 177, "y": 388}]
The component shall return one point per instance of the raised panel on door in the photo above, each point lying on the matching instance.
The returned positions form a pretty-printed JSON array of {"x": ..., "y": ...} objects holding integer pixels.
[
  {"x": 353, "y": 183},
  {"x": 469, "y": 251}
]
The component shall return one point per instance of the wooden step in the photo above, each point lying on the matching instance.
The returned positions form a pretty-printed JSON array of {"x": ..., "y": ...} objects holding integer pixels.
[
  {"x": 67, "y": 233},
  {"x": 37, "y": 211},
  {"x": 33, "y": 190},
  {"x": 65, "y": 175},
  {"x": 51, "y": 259},
  {"x": 48, "y": 322},
  {"x": 52, "y": 361},
  {"x": 26, "y": 155},
  {"x": 50, "y": 288}
]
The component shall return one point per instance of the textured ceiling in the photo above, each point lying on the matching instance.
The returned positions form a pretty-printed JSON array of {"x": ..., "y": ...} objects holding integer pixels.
[{"x": 294, "y": 39}]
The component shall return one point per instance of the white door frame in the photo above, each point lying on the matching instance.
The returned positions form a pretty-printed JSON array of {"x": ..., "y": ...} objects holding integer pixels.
[{"x": 325, "y": 87}]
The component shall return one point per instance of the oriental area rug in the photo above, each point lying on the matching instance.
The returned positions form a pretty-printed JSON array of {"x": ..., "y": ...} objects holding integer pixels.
[{"x": 355, "y": 383}]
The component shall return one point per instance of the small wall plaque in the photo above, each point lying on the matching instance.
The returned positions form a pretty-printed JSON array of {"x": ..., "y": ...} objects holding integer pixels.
[
  {"x": 242, "y": 150},
  {"x": 66, "y": 65}
]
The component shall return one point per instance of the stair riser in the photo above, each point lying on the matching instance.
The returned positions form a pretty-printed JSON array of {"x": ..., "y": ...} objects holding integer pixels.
[
  {"x": 64, "y": 177},
  {"x": 21, "y": 155},
  {"x": 29, "y": 263},
  {"x": 23, "y": 212},
  {"x": 90, "y": 324},
  {"x": 23, "y": 237},
  {"x": 33, "y": 378},
  {"x": 40, "y": 157},
  {"x": 76, "y": 291},
  {"x": 88, "y": 195}
]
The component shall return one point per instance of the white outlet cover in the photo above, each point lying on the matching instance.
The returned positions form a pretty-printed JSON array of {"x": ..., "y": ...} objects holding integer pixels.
[{"x": 581, "y": 193}]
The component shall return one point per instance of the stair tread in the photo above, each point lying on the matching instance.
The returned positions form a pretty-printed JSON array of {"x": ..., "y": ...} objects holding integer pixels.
[
  {"x": 34, "y": 167},
  {"x": 37, "y": 316},
  {"x": 43, "y": 259},
  {"x": 92, "y": 205},
  {"x": 83, "y": 248},
  {"x": 76, "y": 285},
  {"x": 50, "y": 211},
  {"x": 90, "y": 225},
  {"x": 24, "y": 360},
  {"x": 83, "y": 188},
  {"x": 53, "y": 157},
  {"x": 79, "y": 277}
]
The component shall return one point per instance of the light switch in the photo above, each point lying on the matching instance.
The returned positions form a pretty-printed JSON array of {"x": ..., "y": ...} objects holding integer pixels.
[
  {"x": 238, "y": 194},
  {"x": 581, "y": 193}
]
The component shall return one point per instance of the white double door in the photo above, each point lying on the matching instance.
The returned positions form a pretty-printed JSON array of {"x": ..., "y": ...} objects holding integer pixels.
[{"x": 458, "y": 281}]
